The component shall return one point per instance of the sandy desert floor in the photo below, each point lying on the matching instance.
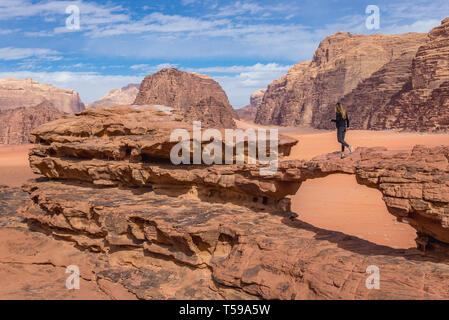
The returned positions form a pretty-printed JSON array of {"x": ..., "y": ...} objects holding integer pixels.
[{"x": 336, "y": 202}]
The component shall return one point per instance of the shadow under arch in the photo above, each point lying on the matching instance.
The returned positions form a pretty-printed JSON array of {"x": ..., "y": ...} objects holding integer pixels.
[{"x": 341, "y": 202}]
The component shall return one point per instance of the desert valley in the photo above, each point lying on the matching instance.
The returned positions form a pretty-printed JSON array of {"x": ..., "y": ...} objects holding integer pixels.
[{"x": 92, "y": 185}]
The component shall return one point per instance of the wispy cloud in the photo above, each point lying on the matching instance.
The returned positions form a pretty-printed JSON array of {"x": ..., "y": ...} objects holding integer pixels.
[
  {"x": 240, "y": 82},
  {"x": 10, "y": 53},
  {"x": 239, "y": 8},
  {"x": 8, "y": 31},
  {"x": 148, "y": 69}
]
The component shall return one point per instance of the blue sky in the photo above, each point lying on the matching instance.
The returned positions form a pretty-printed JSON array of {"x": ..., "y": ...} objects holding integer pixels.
[{"x": 244, "y": 45}]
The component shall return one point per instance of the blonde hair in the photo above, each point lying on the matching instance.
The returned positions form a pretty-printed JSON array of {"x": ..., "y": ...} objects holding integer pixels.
[{"x": 339, "y": 109}]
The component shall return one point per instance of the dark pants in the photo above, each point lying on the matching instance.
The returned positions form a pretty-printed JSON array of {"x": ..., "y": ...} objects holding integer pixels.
[{"x": 341, "y": 132}]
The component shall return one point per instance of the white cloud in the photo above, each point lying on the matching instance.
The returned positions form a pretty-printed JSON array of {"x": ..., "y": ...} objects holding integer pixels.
[
  {"x": 258, "y": 68},
  {"x": 238, "y": 8},
  {"x": 239, "y": 86},
  {"x": 10, "y": 53},
  {"x": 422, "y": 26},
  {"x": 188, "y": 2},
  {"x": 8, "y": 31},
  {"x": 148, "y": 69}
]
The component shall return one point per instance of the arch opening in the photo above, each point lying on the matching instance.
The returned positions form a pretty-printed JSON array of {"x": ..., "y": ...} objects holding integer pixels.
[{"x": 338, "y": 202}]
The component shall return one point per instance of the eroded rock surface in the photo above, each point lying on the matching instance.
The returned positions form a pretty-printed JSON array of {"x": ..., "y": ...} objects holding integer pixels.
[
  {"x": 18, "y": 123},
  {"x": 226, "y": 231},
  {"x": 164, "y": 247}
]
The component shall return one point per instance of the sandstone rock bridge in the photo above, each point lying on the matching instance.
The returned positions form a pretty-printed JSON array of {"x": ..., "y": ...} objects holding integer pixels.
[{"x": 226, "y": 231}]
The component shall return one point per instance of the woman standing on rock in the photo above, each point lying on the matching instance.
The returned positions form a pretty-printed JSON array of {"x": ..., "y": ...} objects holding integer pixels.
[{"x": 342, "y": 121}]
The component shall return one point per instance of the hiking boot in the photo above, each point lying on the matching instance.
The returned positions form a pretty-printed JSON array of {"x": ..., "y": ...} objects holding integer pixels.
[
  {"x": 342, "y": 154},
  {"x": 350, "y": 149}
]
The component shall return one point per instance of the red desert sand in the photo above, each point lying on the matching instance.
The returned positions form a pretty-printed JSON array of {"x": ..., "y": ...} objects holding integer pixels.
[
  {"x": 14, "y": 166},
  {"x": 335, "y": 202}
]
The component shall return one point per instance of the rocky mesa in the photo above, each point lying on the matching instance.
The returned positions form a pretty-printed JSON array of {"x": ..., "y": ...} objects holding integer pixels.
[
  {"x": 385, "y": 82},
  {"x": 423, "y": 102},
  {"x": 15, "y": 93},
  {"x": 186, "y": 91}
]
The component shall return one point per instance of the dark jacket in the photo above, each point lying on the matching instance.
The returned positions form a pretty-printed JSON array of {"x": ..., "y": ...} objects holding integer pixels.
[{"x": 340, "y": 122}]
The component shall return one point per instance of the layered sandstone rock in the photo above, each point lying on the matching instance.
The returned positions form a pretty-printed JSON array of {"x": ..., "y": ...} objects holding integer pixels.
[
  {"x": 15, "y": 93},
  {"x": 184, "y": 91},
  {"x": 423, "y": 103},
  {"x": 306, "y": 95},
  {"x": 18, "y": 123},
  {"x": 249, "y": 112},
  {"x": 124, "y": 96},
  {"x": 131, "y": 146},
  {"x": 162, "y": 247},
  {"x": 226, "y": 231}
]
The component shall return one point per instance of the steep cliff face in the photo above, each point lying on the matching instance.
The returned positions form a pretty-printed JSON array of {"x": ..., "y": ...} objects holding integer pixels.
[
  {"x": 249, "y": 112},
  {"x": 366, "y": 103},
  {"x": 307, "y": 93},
  {"x": 184, "y": 90},
  {"x": 15, "y": 93},
  {"x": 116, "y": 97},
  {"x": 17, "y": 124},
  {"x": 423, "y": 103}
]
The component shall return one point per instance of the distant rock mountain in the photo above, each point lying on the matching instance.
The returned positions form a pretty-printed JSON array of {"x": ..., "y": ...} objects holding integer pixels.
[
  {"x": 184, "y": 91},
  {"x": 249, "y": 112},
  {"x": 256, "y": 97},
  {"x": 372, "y": 68},
  {"x": 15, "y": 93},
  {"x": 18, "y": 123},
  {"x": 423, "y": 102},
  {"x": 114, "y": 97}
]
